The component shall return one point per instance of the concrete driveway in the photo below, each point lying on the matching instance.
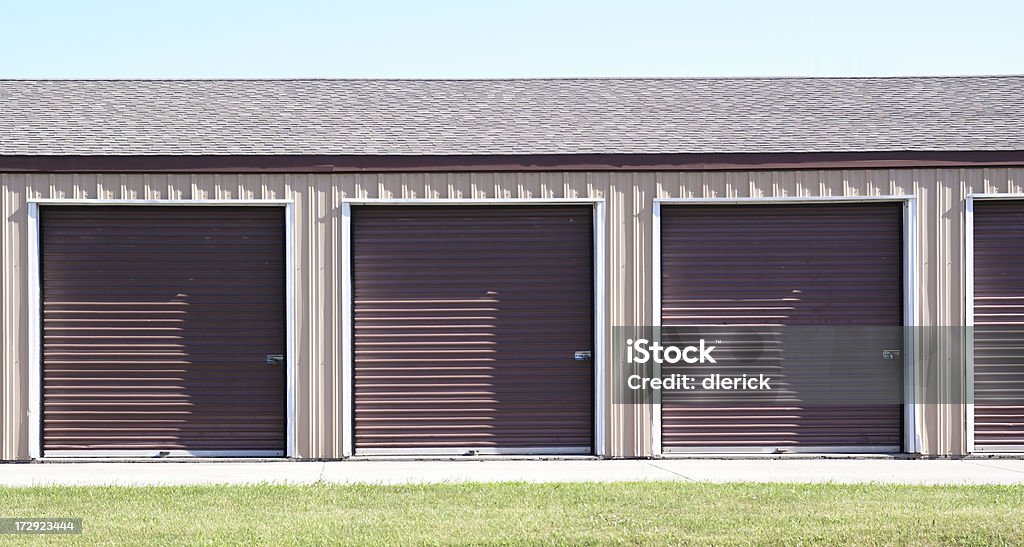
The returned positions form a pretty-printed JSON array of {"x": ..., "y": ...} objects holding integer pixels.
[{"x": 886, "y": 471}]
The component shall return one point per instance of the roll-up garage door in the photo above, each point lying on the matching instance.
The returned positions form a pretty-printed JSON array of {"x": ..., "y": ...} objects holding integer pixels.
[
  {"x": 999, "y": 325},
  {"x": 163, "y": 330},
  {"x": 467, "y": 324},
  {"x": 760, "y": 270}
]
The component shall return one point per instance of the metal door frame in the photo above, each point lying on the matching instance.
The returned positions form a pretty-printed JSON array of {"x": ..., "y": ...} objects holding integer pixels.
[
  {"x": 35, "y": 368},
  {"x": 969, "y": 319},
  {"x": 911, "y": 414},
  {"x": 600, "y": 407}
]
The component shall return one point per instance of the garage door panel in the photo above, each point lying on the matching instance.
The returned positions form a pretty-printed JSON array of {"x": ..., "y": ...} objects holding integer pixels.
[
  {"x": 466, "y": 322},
  {"x": 999, "y": 325},
  {"x": 765, "y": 272},
  {"x": 156, "y": 326},
  {"x": 774, "y": 425}
]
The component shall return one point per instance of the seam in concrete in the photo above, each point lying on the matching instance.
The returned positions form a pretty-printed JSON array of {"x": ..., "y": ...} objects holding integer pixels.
[
  {"x": 979, "y": 464},
  {"x": 680, "y": 475},
  {"x": 786, "y": 457}
]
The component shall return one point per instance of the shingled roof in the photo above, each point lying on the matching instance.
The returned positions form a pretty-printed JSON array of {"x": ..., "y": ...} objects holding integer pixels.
[{"x": 509, "y": 117}]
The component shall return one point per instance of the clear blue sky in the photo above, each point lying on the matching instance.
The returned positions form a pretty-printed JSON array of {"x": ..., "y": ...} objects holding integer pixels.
[{"x": 513, "y": 38}]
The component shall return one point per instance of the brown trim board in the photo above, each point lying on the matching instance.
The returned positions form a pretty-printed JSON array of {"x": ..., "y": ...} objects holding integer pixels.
[{"x": 549, "y": 162}]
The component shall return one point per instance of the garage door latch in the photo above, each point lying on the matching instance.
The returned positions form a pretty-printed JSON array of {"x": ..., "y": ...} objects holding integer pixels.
[
  {"x": 275, "y": 359},
  {"x": 891, "y": 354},
  {"x": 582, "y": 356}
]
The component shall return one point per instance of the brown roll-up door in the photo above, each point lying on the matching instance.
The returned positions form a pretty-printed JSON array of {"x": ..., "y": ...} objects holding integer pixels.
[
  {"x": 467, "y": 319},
  {"x": 783, "y": 270},
  {"x": 157, "y": 324},
  {"x": 999, "y": 325}
]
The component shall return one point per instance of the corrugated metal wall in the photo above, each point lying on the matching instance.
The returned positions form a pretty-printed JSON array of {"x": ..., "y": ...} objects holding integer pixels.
[{"x": 628, "y": 265}]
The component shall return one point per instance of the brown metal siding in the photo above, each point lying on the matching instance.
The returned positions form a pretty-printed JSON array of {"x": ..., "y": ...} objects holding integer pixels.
[
  {"x": 156, "y": 327},
  {"x": 999, "y": 324},
  {"x": 466, "y": 323},
  {"x": 770, "y": 266},
  {"x": 321, "y": 418}
]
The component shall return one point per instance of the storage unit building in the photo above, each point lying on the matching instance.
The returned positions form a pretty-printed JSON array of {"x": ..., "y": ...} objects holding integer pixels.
[{"x": 328, "y": 268}]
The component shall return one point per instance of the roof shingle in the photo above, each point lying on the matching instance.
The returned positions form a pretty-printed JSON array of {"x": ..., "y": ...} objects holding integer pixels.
[{"x": 509, "y": 117}]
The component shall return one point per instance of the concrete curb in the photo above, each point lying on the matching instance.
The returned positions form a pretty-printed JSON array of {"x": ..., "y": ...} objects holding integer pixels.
[{"x": 847, "y": 471}]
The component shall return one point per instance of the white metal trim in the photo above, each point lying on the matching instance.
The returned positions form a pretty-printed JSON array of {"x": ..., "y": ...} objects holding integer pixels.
[
  {"x": 35, "y": 334},
  {"x": 480, "y": 451},
  {"x": 990, "y": 196},
  {"x": 35, "y": 369},
  {"x": 471, "y": 201},
  {"x": 911, "y": 414},
  {"x": 782, "y": 450},
  {"x": 347, "y": 369},
  {"x": 163, "y": 454},
  {"x": 601, "y": 407},
  {"x": 969, "y": 321},
  {"x": 170, "y": 202},
  {"x": 656, "y": 432},
  {"x": 1002, "y": 449},
  {"x": 911, "y": 408},
  {"x": 598, "y": 281},
  {"x": 290, "y": 326},
  {"x": 786, "y": 200}
]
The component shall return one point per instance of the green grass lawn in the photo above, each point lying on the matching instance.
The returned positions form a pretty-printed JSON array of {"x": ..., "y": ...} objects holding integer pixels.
[{"x": 516, "y": 513}]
